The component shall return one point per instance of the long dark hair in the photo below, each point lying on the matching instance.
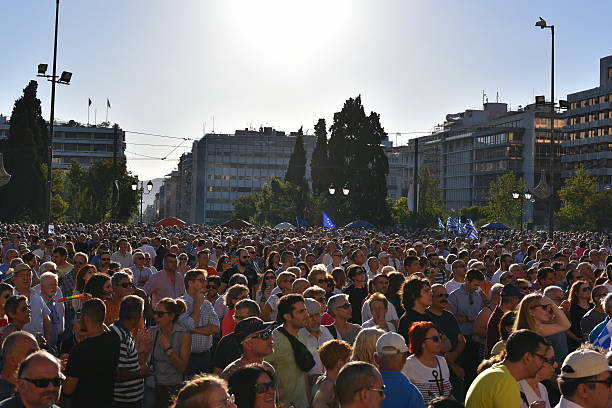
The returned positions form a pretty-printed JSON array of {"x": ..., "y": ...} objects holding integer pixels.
[
  {"x": 242, "y": 383},
  {"x": 95, "y": 285}
]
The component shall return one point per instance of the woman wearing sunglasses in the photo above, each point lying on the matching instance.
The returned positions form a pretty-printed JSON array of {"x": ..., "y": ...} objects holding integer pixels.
[
  {"x": 579, "y": 304},
  {"x": 539, "y": 313},
  {"x": 425, "y": 368},
  {"x": 253, "y": 386},
  {"x": 204, "y": 391},
  {"x": 171, "y": 350},
  {"x": 18, "y": 312}
]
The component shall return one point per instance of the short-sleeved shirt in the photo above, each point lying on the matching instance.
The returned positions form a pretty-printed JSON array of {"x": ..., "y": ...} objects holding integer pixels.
[
  {"x": 39, "y": 309},
  {"x": 432, "y": 382},
  {"x": 356, "y": 298},
  {"x": 410, "y": 316},
  {"x": 447, "y": 324},
  {"x": 228, "y": 349},
  {"x": 129, "y": 390},
  {"x": 94, "y": 362},
  {"x": 400, "y": 392},
  {"x": 464, "y": 303},
  {"x": 199, "y": 342},
  {"x": 494, "y": 388},
  {"x": 160, "y": 286}
]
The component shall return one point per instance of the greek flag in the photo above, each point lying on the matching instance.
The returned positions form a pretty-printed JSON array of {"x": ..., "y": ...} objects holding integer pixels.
[
  {"x": 604, "y": 337},
  {"x": 461, "y": 228},
  {"x": 451, "y": 224},
  {"x": 440, "y": 223},
  {"x": 327, "y": 221},
  {"x": 472, "y": 233}
]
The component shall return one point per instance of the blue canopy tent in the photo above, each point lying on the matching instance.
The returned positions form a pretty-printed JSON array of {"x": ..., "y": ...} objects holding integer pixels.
[
  {"x": 495, "y": 226},
  {"x": 359, "y": 224}
]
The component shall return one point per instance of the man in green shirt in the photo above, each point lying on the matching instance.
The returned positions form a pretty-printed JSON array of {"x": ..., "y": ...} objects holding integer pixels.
[
  {"x": 291, "y": 379},
  {"x": 497, "y": 387}
]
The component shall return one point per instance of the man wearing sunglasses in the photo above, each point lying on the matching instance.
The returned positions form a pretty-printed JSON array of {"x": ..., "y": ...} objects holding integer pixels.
[
  {"x": 255, "y": 338},
  {"x": 39, "y": 382},
  {"x": 585, "y": 380}
]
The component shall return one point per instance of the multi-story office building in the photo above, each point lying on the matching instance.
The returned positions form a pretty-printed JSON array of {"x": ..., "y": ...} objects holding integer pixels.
[
  {"x": 223, "y": 167},
  {"x": 588, "y": 133},
  {"x": 477, "y": 146},
  {"x": 72, "y": 141}
]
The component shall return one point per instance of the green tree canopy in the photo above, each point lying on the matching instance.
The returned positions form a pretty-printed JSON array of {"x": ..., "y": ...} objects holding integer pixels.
[
  {"x": 430, "y": 204},
  {"x": 357, "y": 160},
  {"x": 24, "y": 197},
  {"x": 501, "y": 206},
  {"x": 296, "y": 170},
  {"x": 244, "y": 207},
  {"x": 582, "y": 206},
  {"x": 319, "y": 163}
]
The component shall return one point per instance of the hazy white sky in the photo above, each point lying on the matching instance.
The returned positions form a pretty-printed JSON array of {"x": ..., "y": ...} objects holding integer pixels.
[{"x": 169, "y": 66}]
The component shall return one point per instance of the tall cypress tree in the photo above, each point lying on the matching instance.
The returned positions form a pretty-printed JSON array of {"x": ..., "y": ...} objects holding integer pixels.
[
  {"x": 25, "y": 150},
  {"x": 296, "y": 170},
  {"x": 358, "y": 161},
  {"x": 319, "y": 164}
]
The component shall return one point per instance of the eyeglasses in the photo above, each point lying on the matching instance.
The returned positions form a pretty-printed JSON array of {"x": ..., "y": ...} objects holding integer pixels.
[
  {"x": 264, "y": 335},
  {"x": 264, "y": 387},
  {"x": 160, "y": 313},
  {"x": 435, "y": 339},
  {"x": 321, "y": 280},
  {"x": 607, "y": 382},
  {"x": 546, "y": 308},
  {"x": 126, "y": 285},
  {"x": 550, "y": 361},
  {"x": 345, "y": 306},
  {"x": 380, "y": 391},
  {"x": 227, "y": 402},
  {"x": 290, "y": 280},
  {"x": 44, "y": 382}
]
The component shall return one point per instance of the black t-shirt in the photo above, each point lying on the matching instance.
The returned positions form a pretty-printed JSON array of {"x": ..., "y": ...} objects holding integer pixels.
[
  {"x": 249, "y": 272},
  {"x": 94, "y": 363},
  {"x": 7, "y": 389},
  {"x": 228, "y": 350},
  {"x": 356, "y": 298},
  {"x": 447, "y": 324},
  {"x": 410, "y": 316}
]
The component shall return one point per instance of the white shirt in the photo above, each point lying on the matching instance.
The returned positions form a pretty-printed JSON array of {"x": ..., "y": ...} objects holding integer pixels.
[
  {"x": 370, "y": 323},
  {"x": 496, "y": 276},
  {"x": 565, "y": 403},
  {"x": 532, "y": 396},
  {"x": 39, "y": 309},
  {"x": 429, "y": 384},
  {"x": 149, "y": 250},
  {"x": 59, "y": 308},
  {"x": 366, "y": 314},
  {"x": 312, "y": 344},
  {"x": 124, "y": 260},
  {"x": 138, "y": 274}
]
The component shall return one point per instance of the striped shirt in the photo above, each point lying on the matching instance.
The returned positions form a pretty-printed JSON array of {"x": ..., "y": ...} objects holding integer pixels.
[{"x": 130, "y": 390}]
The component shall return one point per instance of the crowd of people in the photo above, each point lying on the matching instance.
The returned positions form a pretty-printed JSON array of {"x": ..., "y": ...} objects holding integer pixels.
[{"x": 197, "y": 316}]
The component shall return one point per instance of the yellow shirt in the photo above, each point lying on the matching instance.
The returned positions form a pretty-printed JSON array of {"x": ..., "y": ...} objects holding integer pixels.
[{"x": 494, "y": 388}]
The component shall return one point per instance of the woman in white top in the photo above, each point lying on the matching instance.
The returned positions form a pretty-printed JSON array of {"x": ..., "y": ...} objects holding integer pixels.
[
  {"x": 425, "y": 368},
  {"x": 532, "y": 389},
  {"x": 379, "y": 305}
]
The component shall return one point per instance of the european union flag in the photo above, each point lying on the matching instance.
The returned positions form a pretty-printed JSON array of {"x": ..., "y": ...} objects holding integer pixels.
[
  {"x": 300, "y": 222},
  {"x": 327, "y": 221}
]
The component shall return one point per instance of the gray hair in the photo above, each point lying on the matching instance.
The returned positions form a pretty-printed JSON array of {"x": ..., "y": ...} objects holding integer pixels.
[
  {"x": 48, "y": 275},
  {"x": 83, "y": 254},
  {"x": 44, "y": 266},
  {"x": 333, "y": 301},
  {"x": 319, "y": 267},
  {"x": 607, "y": 304},
  {"x": 9, "y": 344}
]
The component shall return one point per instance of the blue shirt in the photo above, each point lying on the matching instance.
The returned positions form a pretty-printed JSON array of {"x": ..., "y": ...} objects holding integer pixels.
[{"x": 400, "y": 392}]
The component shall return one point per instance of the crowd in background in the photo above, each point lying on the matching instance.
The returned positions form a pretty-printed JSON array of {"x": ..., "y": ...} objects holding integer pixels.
[{"x": 196, "y": 316}]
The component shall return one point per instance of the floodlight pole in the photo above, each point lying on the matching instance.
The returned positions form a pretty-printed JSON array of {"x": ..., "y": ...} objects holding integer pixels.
[{"x": 51, "y": 121}]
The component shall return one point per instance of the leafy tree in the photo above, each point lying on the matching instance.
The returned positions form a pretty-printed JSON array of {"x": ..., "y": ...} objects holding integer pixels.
[
  {"x": 296, "y": 170},
  {"x": 58, "y": 187},
  {"x": 24, "y": 197},
  {"x": 582, "y": 206},
  {"x": 430, "y": 204},
  {"x": 244, "y": 206},
  {"x": 358, "y": 160},
  {"x": 91, "y": 192},
  {"x": 276, "y": 203},
  {"x": 501, "y": 206},
  {"x": 319, "y": 163},
  {"x": 399, "y": 210},
  {"x": 475, "y": 213}
]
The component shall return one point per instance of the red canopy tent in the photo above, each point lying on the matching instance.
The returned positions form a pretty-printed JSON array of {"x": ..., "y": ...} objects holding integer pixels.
[{"x": 170, "y": 222}]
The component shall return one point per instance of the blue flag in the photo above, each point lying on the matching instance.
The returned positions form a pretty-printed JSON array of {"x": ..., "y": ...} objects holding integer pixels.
[
  {"x": 300, "y": 222},
  {"x": 440, "y": 223},
  {"x": 327, "y": 221}
]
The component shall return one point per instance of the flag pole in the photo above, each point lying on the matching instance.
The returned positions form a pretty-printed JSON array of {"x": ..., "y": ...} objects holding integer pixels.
[
  {"x": 107, "y": 109},
  {"x": 95, "y": 116},
  {"x": 88, "y": 109}
]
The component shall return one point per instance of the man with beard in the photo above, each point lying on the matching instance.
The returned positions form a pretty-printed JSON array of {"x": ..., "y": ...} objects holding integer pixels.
[
  {"x": 39, "y": 382},
  {"x": 243, "y": 266},
  {"x": 92, "y": 365}
]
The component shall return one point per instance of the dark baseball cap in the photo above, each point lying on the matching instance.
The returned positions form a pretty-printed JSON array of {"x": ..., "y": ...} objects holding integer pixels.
[
  {"x": 511, "y": 291},
  {"x": 251, "y": 325}
]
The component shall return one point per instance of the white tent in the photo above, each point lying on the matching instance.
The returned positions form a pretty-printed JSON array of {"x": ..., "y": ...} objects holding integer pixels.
[{"x": 284, "y": 225}]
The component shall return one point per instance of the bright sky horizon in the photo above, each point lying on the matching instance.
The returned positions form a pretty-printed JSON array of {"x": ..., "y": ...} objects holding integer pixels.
[{"x": 170, "y": 67}]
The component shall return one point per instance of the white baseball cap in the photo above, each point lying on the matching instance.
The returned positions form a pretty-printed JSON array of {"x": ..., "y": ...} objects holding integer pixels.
[
  {"x": 389, "y": 341},
  {"x": 583, "y": 363}
]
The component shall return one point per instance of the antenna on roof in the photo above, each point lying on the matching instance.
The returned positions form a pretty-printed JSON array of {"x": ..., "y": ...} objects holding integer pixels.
[{"x": 497, "y": 97}]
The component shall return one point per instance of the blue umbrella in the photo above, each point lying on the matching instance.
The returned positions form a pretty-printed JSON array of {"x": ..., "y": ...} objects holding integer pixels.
[
  {"x": 495, "y": 226},
  {"x": 359, "y": 224}
]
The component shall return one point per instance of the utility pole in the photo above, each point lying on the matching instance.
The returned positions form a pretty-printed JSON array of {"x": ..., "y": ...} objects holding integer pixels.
[
  {"x": 115, "y": 177},
  {"x": 51, "y": 121},
  {"x": 415, "y": 182}
]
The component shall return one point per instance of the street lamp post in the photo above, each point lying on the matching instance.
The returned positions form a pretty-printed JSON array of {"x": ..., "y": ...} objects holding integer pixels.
[
  {"x": 141, "y": 191},
  {"x": 345, "y": 191},
  {"x": 525, "y": 196},
  {"x": 551, "y": 200},
  {"x": 65, "y": 80}
]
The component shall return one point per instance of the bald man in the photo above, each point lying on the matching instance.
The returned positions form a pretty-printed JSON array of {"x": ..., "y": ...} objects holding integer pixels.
[{"x": 15, "y": 348}]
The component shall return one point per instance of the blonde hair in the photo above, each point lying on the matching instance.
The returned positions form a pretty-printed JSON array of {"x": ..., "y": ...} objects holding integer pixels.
[
  {"x": 233, "y": 293},
  {"x": 193, "y": 393},
  {"x": 365, "y": 345},
  {"x": 524, "y": 319}
]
